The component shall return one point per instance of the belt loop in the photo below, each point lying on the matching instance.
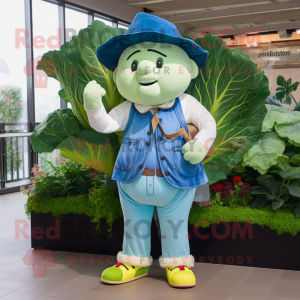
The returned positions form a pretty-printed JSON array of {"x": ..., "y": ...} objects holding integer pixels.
[{"x": 150, "y": 185}]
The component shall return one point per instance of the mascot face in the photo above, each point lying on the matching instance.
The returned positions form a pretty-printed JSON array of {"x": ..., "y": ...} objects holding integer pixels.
[{"x": 154, "y": 73}]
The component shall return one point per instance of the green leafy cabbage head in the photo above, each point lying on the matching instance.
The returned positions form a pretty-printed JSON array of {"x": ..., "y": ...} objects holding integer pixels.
[
  {"x": 76, "y": 64},
  {"x": 234, "y": 91}
]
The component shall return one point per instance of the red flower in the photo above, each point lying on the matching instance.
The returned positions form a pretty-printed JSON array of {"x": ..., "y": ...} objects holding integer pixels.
[
  {"x": 212, "y": 188},
  {"x": 237, "y": 179},
  {"x": 219, "y": 187}
]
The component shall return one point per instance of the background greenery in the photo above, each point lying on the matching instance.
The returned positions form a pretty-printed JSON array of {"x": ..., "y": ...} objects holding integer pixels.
[
  {"x": 11, "y": 109},
  {"x": 273, "y": 163}
]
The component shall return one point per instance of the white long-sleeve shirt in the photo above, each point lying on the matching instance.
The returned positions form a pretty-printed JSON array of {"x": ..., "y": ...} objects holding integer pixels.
[{"x": 194, "y": 113}]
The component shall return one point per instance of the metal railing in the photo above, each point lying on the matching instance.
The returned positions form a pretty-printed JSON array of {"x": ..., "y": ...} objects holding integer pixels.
[{"x": 16, "y": 159}]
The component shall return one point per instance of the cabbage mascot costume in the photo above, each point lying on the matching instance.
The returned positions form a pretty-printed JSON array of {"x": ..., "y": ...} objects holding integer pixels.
[{"x": 159, "y": 162}]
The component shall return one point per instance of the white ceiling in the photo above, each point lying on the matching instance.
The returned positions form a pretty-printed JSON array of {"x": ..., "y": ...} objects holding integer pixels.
[{"x": 227, "y": 17}]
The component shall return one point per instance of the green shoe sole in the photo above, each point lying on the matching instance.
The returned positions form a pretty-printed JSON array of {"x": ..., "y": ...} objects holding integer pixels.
[{"x": 125, "y": 281}]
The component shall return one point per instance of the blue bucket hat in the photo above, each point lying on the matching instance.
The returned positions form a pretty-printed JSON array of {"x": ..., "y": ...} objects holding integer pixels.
[{"x": 148, "y": 28}]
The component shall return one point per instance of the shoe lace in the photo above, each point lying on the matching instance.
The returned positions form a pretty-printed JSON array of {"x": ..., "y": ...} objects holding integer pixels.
[
  {"x": 120, "y": 264},
  {"x": 180, "y": 267}
]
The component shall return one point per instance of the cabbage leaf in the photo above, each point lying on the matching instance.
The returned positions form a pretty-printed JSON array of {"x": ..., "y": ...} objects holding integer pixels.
[{"x": 233, "y": 91}]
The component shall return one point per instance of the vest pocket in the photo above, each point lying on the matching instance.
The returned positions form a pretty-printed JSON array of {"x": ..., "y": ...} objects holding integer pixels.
[
  {"x": 127, "y": 154},
  {"x": 184, "y": 168}
]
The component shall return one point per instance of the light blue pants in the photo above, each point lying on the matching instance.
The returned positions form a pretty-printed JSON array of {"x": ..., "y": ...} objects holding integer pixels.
[{"x": 138, "y": 200}]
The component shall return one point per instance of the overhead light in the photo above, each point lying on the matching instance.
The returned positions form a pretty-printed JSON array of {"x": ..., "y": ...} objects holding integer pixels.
[
  {"x": 254, "y": 45},
  {"x": 298, "y": 31}
]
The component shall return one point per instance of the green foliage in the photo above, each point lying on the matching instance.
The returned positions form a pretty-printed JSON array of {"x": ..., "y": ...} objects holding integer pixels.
[
  {"x": 46, "y": 157},
  {"x": 272, "y": 147},
  {"x": 73, "y": 188},
  {"x": 283, "y": 220},
  {"x": 278, "y": 159},
  {"x": 107, "y": 205},
  {"x": 234, "y": 92},
  {"x": 11, "y": 109},
  {"x": 297, "y": 107},
  {"x": 279, "y": 115},
  {"x": 11, "y": 106},
  {"x": 74, "y": 66},
  {"x": 285, "y": 89},
  {"x": 264, "y": 152},
  {"x": 281, "y": 188},
  {"x": 59, "y": 206},
  {"x": 100, "y": 203},
  {"x": 96, "y": 150},
  {"x": 291, "y": 132},
  {"x": 55, "y": 128},
  {"x": 67, "y": 179},
  {"x": 62, "y": 130}
]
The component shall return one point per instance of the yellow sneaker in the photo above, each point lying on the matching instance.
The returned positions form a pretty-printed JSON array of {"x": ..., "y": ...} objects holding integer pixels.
[
  {"x": 122, "y": 273},
  {"x": 181, "y": 276}
]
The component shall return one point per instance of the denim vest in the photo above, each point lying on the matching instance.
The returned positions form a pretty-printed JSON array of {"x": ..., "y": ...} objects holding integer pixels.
[{"x": 138, "y": 138}]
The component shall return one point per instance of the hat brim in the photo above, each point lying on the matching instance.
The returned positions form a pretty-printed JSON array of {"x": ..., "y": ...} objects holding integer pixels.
[{"x": 109, "y": 53}]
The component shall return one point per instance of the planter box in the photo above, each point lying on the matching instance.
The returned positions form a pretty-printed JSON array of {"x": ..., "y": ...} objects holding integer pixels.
[{"x": 226, "y": 243}]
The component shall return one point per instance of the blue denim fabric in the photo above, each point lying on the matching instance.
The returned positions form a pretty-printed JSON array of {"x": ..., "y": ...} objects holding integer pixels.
[
  {"x": 138, "y": 139},
  {"x": 173, "y": 207}
]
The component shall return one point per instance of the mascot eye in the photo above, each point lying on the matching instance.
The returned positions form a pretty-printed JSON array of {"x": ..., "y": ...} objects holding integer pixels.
[
  {"x": 159, "y": 63},
  {"x": 134, "y": 66}
]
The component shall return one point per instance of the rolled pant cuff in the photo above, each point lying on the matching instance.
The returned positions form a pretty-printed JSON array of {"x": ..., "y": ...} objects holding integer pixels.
[
  {"x": 177, "y": 261},
  {"x": 134, "y": 260}
]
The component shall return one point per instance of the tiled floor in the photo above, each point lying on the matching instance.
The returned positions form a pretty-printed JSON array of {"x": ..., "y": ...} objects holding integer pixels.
[{"x": 80, "y": 280}]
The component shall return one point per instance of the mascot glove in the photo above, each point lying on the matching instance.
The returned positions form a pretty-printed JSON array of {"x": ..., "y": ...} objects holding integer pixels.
[
  {"x": 92, "y": 95},
  {"x": 194, "y": 152}
]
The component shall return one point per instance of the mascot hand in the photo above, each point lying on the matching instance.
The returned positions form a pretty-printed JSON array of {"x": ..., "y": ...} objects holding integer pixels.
[
  {"x": 92, "y": 95},
  {"x": 194, "y": 152}
]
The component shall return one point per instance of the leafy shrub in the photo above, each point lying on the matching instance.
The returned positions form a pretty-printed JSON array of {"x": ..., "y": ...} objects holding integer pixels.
[
  {"x": 67, "y": 179},
  {"x": 282, "y": 189},
  {"x": 107, "y": 205},
  {"x": 101, "y": 202},
  {"x": 282, "y": 220},
  {"x": 276, "y": 157}
]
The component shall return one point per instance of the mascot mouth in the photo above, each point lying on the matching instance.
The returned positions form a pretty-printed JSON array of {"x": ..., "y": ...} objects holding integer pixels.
[{"x": 150, "y": 83}]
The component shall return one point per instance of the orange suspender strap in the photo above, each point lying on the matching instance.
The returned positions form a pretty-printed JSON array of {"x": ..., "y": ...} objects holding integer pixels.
[{"x": 182, "y": 131}]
